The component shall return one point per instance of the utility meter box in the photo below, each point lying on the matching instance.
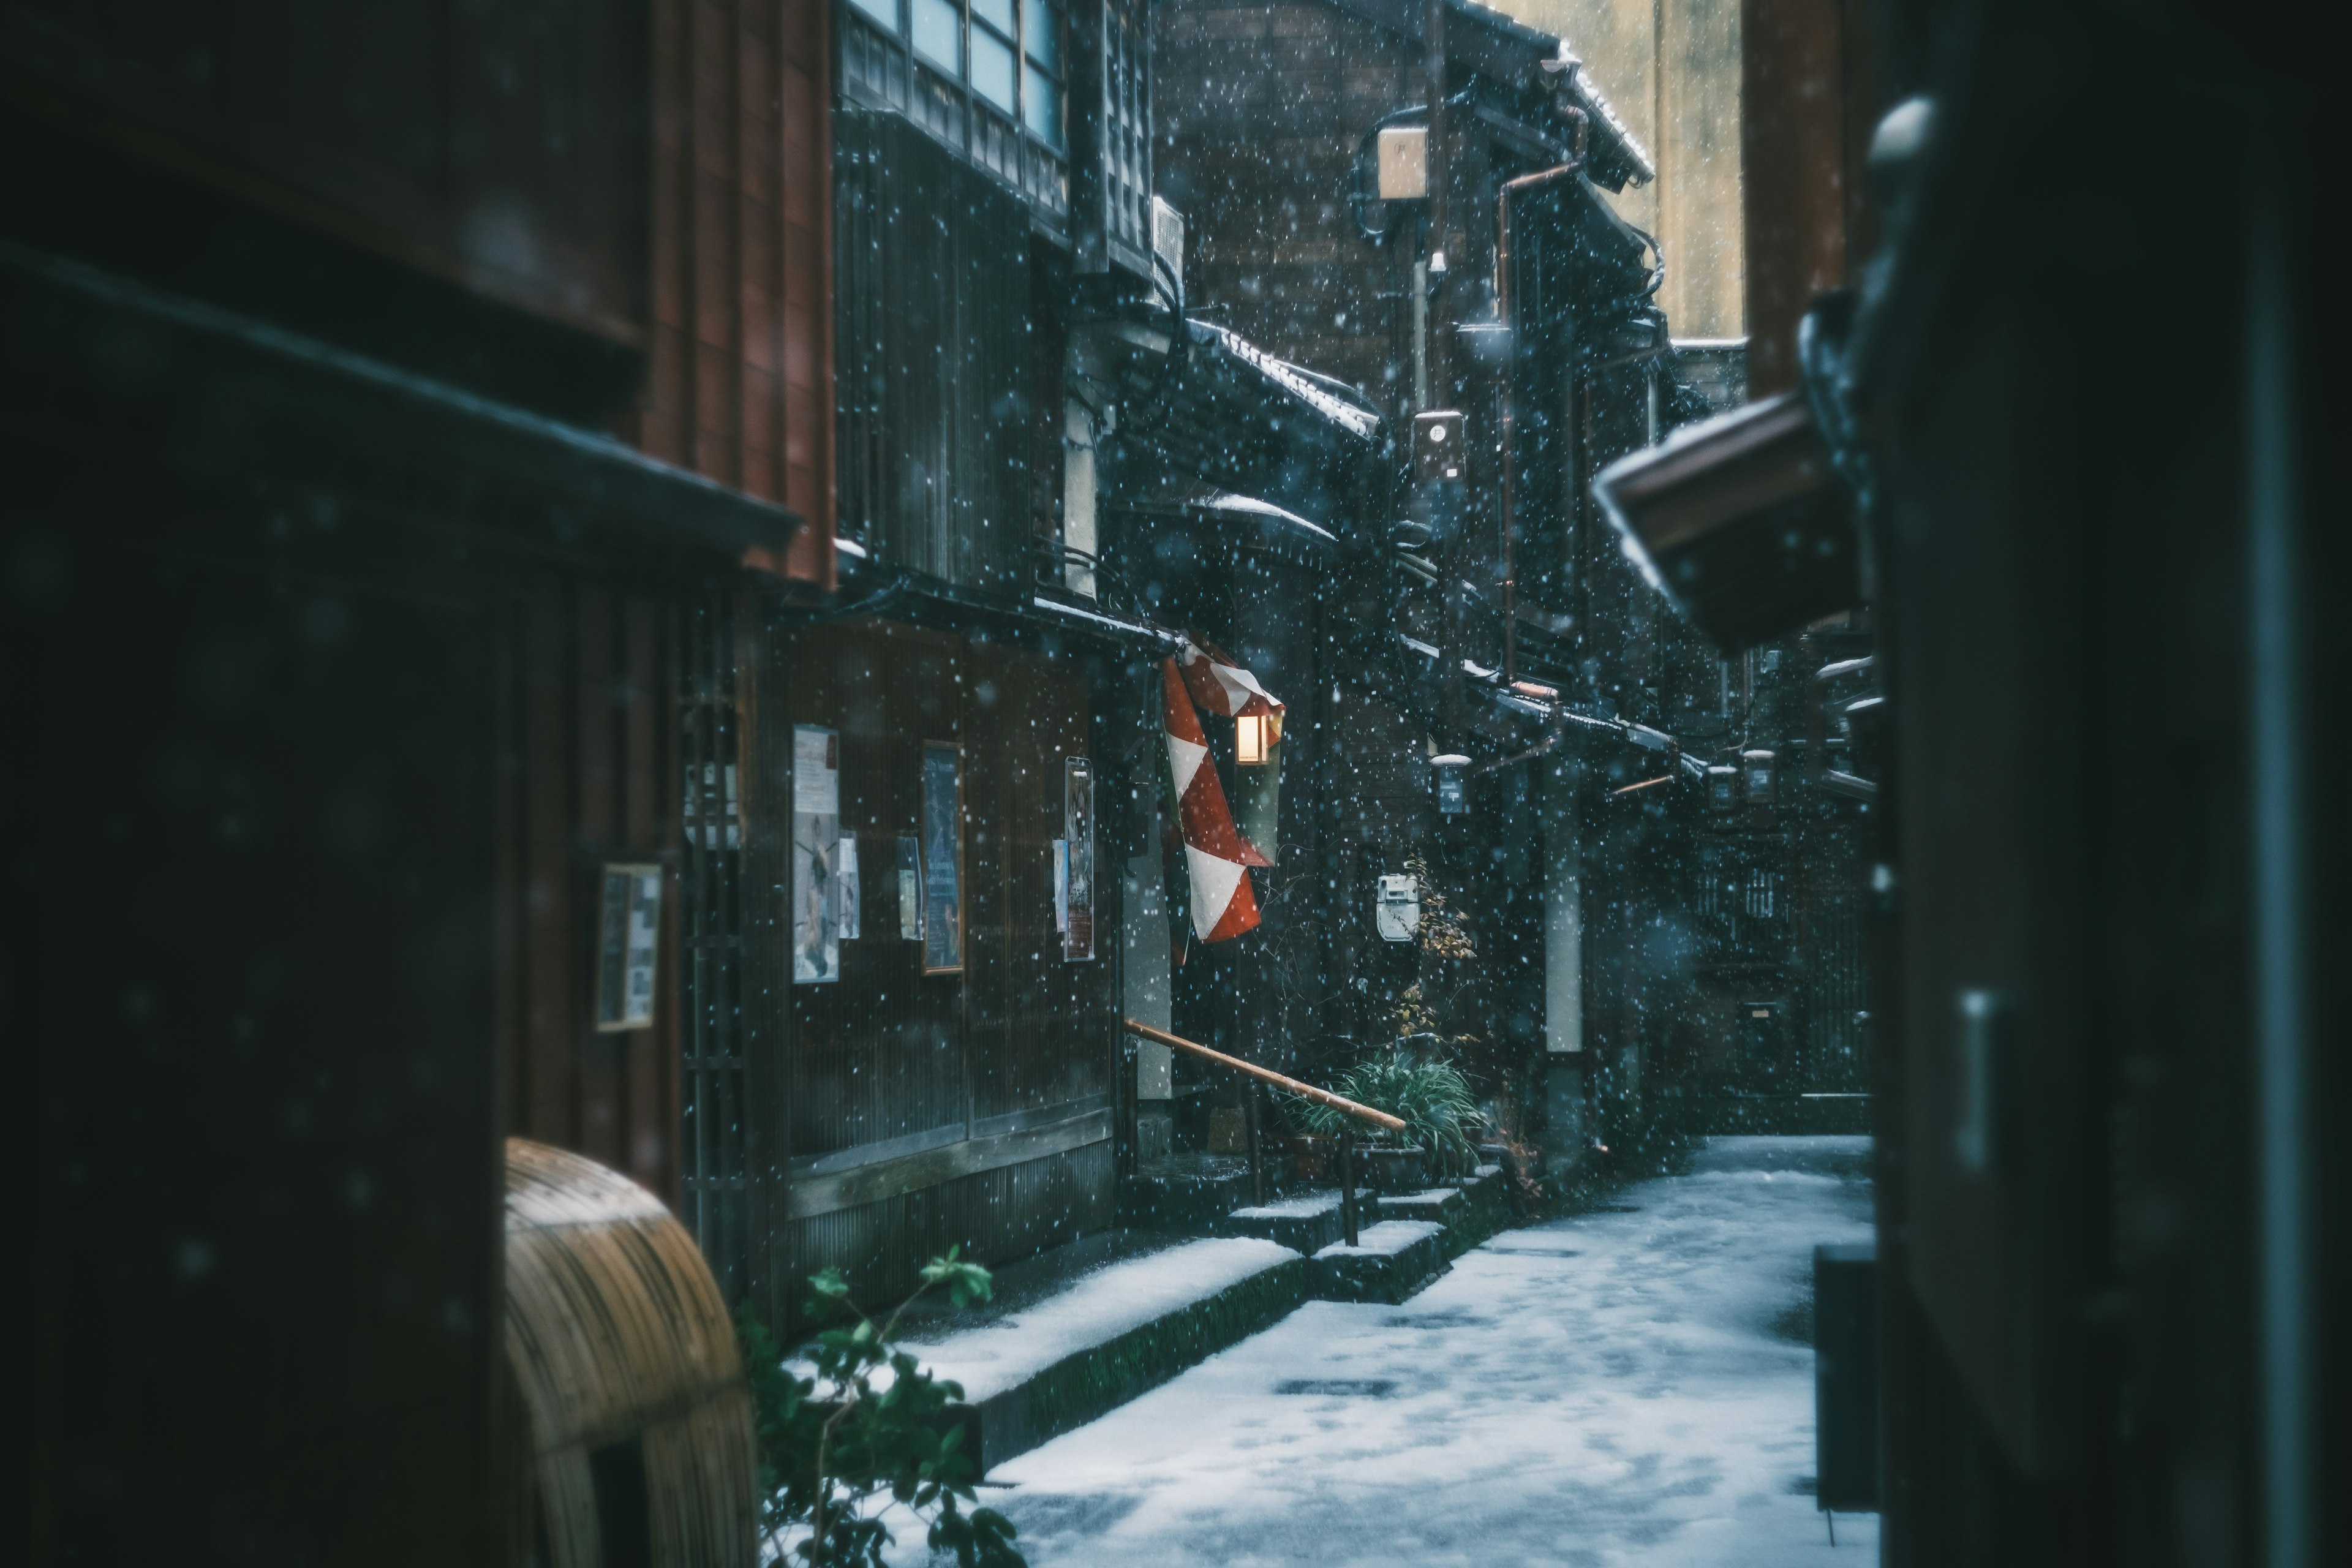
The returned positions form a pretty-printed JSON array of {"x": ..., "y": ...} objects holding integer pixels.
[
  {"x": 1437, "y": 454},
  {"x": 1404, "y": 163},
  {"x": 1397, "y": 908}
]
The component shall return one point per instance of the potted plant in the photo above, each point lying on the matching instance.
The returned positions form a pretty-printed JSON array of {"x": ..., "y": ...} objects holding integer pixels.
[{"x": 1418, "y": 1085}]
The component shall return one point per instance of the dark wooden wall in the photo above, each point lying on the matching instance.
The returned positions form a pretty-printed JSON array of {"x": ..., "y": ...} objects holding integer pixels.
[
  {"x": 585, "y": 685},
  {"x": 1261, "y": 111},
  {"x": 475, "y": 142},
  {"x": 739, "y": 382},
  {"x": 1021, "y": 1040},
  {"x": 938, "y": 371},
  {"x": 1804, "y": 134}
]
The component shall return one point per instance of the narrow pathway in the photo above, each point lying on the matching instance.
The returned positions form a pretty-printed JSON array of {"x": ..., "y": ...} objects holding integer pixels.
[{"x": 1628, "y": 1386}]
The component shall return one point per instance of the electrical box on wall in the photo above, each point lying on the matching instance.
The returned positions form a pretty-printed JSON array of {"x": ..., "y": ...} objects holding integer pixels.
[
  {"x": 1396, "y": 909},
  {"x": 1437, "y": 454},
  {"x": 1404, "y": 163}
]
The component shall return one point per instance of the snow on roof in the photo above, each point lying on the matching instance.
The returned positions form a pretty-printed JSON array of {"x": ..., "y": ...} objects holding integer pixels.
[
  {"x": 1320, "y": 392},
  {"x": 1226, "y": 500},
  {"x": 1526, "y": 49}
]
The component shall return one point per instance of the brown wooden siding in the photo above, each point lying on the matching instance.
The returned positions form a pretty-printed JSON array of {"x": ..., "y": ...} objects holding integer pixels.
[
  {"x": 586, "y": 683},
  {"x": 738, "y": 380}
]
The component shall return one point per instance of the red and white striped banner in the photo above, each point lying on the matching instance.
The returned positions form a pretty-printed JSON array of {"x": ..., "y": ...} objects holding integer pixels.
[
  {"x": 1215, "y": 854},
  {"x": 1220, "y": 686}
]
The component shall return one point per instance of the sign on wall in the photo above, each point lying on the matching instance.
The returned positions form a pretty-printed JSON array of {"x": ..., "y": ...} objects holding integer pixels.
[
  {"x": 628, "y": 943},
  {"x": 942, "y": 846},
  {"x": 816, "y": 855},
  {"x": 1073, "y": 863}
]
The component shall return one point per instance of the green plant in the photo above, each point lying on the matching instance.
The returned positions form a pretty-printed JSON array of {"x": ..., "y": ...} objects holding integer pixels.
[
  {"x": 1442, "y": 932},
  {"x": 833, "y": 1444},
  {"x": 1430, "y": 1094}
]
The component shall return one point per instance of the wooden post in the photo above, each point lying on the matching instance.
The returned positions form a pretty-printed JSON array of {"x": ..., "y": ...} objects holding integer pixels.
[{"x": 1256, "y": 1150}]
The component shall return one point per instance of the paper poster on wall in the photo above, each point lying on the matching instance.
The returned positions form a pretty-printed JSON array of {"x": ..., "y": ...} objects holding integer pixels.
[
  {"x": 910, "y": 888},
  {"x": 816, "y": 853},
  {"x": 628, "y": 942},
  {"x": 942, "y": 836},
  {"x": 1076, "y": 903},
  {"x": 848, "y": 898}
]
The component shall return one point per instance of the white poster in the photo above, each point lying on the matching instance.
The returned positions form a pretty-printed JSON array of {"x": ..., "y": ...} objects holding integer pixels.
[{"x": 816, "y": 855}]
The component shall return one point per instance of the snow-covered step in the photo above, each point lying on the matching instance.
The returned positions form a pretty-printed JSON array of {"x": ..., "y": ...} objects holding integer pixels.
[
  {"x": 1307, "y": 1223},
  {"x": 1390, "y": 1261},
  {"x": 1439, "y": 1205},
  {"x": 1061, "y": 1361}
]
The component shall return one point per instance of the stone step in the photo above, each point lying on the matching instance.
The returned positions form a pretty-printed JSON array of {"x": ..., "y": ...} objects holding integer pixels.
[
  {"x": 1439, "y": 1205},
  {"x": 1307, "y": 1223},
  {"x": 1390, "y": 1261},
  {"x": 1184, "y": 1192},
  {"x": 1083, "y": 1345}
]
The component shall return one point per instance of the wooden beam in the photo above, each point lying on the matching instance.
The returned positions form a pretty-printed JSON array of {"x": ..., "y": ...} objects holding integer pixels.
[{"x": 1267, "y": 1074}]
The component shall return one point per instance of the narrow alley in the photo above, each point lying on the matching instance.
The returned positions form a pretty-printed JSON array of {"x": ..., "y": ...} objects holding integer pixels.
[
  {"x": 1630, "y": 1385},
  {"x": 1070, "y": 783}
]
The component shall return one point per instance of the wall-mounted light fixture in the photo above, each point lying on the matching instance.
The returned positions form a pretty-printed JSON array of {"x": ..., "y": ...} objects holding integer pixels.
[
  {"x": 1453, "y": 770},
  {"x": 1250, "y": 741}
]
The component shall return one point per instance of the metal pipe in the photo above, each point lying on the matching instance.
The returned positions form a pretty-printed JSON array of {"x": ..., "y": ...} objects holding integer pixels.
[
  {"x": 1267, "y": 1074},
  {"x": 1256, "y": 1149},
  {"x": 1439, "y": 168},
  {"x": 1347, "y": 1185},
  {"x": 1504, "y": 252}
]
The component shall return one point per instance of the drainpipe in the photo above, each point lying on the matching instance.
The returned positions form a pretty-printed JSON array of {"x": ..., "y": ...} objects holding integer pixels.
[
  {"x": 1504, "y": 252},
  {"x": 1440, "y": 167}
]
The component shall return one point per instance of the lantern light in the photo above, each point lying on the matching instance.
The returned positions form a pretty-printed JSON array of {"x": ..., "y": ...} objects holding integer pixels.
[{"x": 1249, "y": 741}]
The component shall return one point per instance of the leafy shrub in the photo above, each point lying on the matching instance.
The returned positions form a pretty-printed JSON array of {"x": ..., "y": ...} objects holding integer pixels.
[
  {"x": 1428, "y": 1092},
  {"x": 832, "y": 1445}
]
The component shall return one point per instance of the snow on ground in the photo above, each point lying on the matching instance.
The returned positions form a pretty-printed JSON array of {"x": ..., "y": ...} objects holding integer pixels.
[
  {"x": 1097, "y": 1310},
  {"x": 1620, "y": 1387}
]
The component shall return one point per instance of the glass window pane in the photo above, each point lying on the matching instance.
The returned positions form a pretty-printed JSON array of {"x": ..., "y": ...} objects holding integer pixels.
[
  {"x": 997, "y": 14},
  {"x": 883, "y": 11},
  {"x": 939, "y": 34},
  {"x": 1041, "y": 105},
  {"x": 1041, "y": 35},
  {"x": 992, "y": 68}
]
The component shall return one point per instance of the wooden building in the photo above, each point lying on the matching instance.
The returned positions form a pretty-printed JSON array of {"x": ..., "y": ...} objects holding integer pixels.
[
  {"x": 348, "y": 655},
  {"x": 1332, "y": 221}
]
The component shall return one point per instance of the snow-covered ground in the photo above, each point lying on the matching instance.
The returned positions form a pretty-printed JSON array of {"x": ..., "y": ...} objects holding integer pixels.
[
  {"x": 1097, "y": 1310},
  {"x": 1622, "y": 1387}
]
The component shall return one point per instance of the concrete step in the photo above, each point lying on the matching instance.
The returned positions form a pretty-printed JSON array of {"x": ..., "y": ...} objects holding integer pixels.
[
  {"x": 1184, "y": 1192},
  {"x": 1306, "y": 1223},
  {"x": 1390, "y": 1261},
  {"x": 1439, "y": 1205},
  {"x": 1070, "y": 1348}
]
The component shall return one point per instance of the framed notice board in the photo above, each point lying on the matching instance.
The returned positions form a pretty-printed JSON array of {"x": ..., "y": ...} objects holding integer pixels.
[{"x": 628, "y": 946}]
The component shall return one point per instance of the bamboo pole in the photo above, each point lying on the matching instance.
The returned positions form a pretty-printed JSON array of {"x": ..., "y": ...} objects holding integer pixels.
[{"x": 1267, "y": 1074}]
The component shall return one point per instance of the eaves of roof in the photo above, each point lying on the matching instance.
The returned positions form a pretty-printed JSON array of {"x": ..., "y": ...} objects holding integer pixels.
[{"x": 1510, "y": 53}]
